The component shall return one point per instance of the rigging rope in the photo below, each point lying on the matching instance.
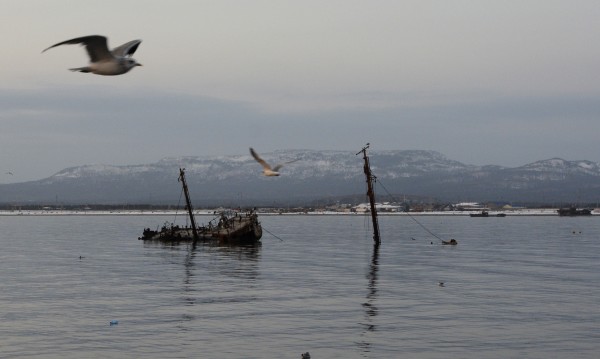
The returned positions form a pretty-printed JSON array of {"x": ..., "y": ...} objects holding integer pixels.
[
  {"x": 178, "y": 203},
  {"x": 411, "y": 217},
  {"x": 266, "y": 230}
]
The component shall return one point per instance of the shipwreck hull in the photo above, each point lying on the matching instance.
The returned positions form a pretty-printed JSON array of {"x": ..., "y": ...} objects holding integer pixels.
[
  {"x": 236, "y": 229},
  {"x": 231, "y": 228}
]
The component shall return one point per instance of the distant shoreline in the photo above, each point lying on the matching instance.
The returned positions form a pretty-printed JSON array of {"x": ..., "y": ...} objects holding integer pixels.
[{"x": 511, "y": 213}]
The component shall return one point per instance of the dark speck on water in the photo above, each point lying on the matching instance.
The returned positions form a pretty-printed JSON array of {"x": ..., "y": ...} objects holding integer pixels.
[{"x": 522, "y": 287}]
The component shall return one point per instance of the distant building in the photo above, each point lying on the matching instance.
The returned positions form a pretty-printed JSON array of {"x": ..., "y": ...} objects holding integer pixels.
[
  {"x": 470, "y": 206},
  {"x": 380, "y": 207}
]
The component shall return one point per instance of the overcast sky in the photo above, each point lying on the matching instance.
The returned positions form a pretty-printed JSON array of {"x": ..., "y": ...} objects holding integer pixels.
[{"x": 502, "y": 82}]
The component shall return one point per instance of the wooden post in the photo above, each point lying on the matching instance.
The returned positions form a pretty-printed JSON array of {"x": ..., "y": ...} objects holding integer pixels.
[{"x": 371, "y": 194}]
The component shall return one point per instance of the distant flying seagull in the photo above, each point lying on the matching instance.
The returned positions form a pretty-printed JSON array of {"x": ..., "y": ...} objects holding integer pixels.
[
  {"x": 267, "y": 170},
  {"x": 102, "y": 61},
  {"x": 9, "y": 173}
]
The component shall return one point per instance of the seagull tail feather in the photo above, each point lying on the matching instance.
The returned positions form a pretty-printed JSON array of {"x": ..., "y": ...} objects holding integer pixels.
[{"x": 81, "y": 69}]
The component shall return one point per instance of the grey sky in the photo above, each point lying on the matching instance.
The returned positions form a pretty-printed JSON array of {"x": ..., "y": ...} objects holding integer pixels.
[{"x": 483, "y": 82}]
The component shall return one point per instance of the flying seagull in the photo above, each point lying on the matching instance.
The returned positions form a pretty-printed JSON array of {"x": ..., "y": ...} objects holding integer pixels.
[
  {"x": 103, "y": 61},
  {"x": 267, "y": 169}
]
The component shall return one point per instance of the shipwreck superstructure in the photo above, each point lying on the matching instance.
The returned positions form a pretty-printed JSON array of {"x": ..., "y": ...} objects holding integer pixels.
[{"x": 228, "y": 227}]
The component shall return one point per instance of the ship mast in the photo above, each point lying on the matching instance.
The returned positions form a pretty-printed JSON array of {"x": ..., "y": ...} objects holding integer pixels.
[
  {"x": 371, "y": 193},
  {"x": 188, "y": 202}
]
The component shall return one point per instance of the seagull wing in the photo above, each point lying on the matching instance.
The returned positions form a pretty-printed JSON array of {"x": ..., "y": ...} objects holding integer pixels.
[
  {"x": 126, "y": 49},
  {"x": 95, "y": 46},
  {"x": 276, "y": 168},
  {"x": 259, "y": 160}
]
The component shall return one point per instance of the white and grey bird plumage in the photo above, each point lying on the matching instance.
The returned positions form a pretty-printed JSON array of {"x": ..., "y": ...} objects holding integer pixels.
[
  {"x": 267, "y": 169},
  {"x": 102, "y": 60}
]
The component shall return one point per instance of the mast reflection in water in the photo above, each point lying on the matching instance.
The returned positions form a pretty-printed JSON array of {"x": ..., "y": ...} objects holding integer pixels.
[{"x": 371, "y": 310}]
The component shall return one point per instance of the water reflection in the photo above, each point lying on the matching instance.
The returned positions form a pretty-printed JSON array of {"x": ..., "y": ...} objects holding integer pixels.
[
  {"x": 232, "y": 261},
  {"x": 242, "y": 253},
  {"x": 371, "y": 310},
  {"x": 210, "y": 265},
  {"x": 189, "y": 274}
]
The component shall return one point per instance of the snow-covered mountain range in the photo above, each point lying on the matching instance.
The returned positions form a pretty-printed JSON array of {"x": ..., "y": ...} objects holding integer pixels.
[{"x": 317, "y": 175}]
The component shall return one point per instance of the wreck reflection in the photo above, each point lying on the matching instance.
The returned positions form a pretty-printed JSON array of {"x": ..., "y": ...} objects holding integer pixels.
[
  {"x": 234, "y": 261},
  {"x": 210, "y": 260},
  {"x": 371, "y": 310}
]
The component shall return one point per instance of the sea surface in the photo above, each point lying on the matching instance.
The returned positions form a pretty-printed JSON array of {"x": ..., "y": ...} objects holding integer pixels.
[{"x": 513, "y": 287}]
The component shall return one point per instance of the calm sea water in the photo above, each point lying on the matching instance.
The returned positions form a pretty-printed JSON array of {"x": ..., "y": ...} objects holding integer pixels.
[{"x": 514, "y": 287}]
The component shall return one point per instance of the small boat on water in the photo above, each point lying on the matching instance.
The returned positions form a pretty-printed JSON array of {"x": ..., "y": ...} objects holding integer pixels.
[
  {"x": 487, "y": 214},
  {"x": 574, "y": 211},
  {"x": 230, "y": 227},
  {"x": 480, "y": 214}
]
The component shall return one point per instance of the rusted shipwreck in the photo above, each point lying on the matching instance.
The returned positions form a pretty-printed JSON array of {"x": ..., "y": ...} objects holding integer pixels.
[{"x": 229, "y": 227}]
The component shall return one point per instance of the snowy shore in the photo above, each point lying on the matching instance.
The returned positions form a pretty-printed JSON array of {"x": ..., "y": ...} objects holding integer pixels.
[{"x": 519, "y": 212}]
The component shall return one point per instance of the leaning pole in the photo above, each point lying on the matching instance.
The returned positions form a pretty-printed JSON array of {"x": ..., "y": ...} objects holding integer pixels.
[
  {"x": 371, "y": 194},
  {"x": 188, "y": 203}
]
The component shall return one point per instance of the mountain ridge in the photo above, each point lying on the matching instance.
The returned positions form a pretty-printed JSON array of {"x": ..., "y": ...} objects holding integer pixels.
[{"x": 237, "y": 180}]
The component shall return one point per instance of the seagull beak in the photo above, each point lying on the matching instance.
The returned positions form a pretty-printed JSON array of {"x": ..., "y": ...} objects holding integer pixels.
[{"x": 138, "y": 64}]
